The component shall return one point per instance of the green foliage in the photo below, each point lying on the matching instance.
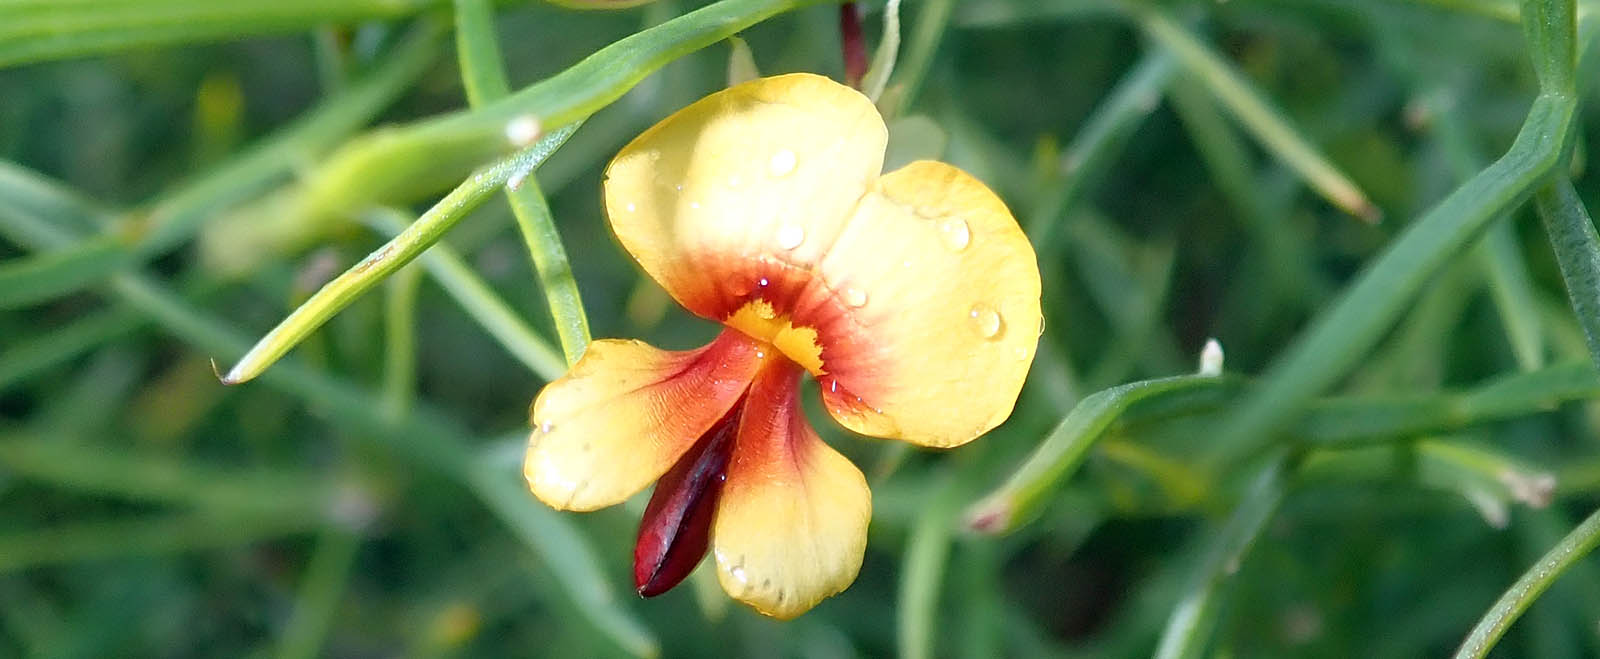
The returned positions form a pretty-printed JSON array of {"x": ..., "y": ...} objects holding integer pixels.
[{"x": 1399, "y": 460}]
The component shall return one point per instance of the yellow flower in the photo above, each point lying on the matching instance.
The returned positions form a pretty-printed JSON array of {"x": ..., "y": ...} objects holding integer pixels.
[{"x": 912, "y": 298}]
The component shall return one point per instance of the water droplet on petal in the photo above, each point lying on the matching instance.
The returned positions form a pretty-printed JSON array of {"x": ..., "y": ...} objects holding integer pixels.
[
  {"x": 678, "y": 187},
  {"x": 632, "y": 208},
  {"x": 855, "y": 297},
  {"x": 762, "y": 282},
  {"x": 1022, "y": 354},
  {"x": 761, "y": 354},
  {"x": 985, "y": 320},
  {"x": 955, "y": 234},
  {"x": 738, "y": 574},
  {"x": 791, "y": 235},
  {"x": 546, "y": 427},
  {"x": 782, "y": 163},
  {"x": 694, "y": 204},
  {"x": 1041, "y": 326}
]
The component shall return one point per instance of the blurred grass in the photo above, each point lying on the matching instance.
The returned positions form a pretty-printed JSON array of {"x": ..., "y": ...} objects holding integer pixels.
[{"x": 1401, "y": 453}]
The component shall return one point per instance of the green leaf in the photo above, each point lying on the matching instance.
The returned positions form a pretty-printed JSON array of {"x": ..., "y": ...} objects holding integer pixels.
[
  {"x": 40, "y": 30},
  {"x": 410, "y": 243},
  {"x": 1577, "y": 249},
  {"x": 1252, "y": 110}
]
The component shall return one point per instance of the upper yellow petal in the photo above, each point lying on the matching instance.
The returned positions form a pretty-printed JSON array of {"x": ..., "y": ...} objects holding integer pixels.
[
  {"x": 625, "y": 414},
  {"x": 768, "y": 169},
  {"x": 939, "y": 291}
]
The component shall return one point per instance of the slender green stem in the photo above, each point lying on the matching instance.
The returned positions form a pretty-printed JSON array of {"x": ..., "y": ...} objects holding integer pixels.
[
  {"x": 400, "y": 342},
  {"x": 1190, "y": 626},
  {"x": 1533, "y": 583},
  {"x": 1510, "y": 284},
  {"x": 484, "y": 305},
  {"x": 1251, "y": 108},
  {"x": 486, "y": 82},
  {"x": 538, "y": 230},
  {"x": 933, "y": 17},
  {"x": 478, "y": 52},
  {"x": 320, "y": 590},
  {"x": 32, "y": 31},
  {"x": 1577, "y": 249},
  {"x": 410, "y": 243},
  {"x": 922, "y": 575}
]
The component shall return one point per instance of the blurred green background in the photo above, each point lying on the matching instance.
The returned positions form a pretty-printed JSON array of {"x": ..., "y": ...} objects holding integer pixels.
[{"x": 1396, "y": 441}]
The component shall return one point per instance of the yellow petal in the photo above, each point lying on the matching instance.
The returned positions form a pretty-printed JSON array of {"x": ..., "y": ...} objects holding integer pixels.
[
  {"x": 626, "y": 412},
  {"x": 792, "y": 523},
  {"x": 931, "y": 316},
  {"x": 744, "y": 188}
]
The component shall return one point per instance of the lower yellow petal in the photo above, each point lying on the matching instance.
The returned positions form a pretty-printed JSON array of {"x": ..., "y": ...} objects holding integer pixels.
[
  {"x": 791, "y": 527},
  {"x": 626, "y": 412}
]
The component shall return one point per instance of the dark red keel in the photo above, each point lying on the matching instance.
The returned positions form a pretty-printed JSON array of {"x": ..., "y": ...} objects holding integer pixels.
[{"x": 676, "y": 526}]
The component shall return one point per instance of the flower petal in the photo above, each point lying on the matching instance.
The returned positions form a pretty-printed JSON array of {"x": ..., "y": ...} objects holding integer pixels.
[
  {"x": 743, "y": 186},
  {"x": 792, "y": 523},
  {"x": 676, "y": 527},
  {"x": 927, "y": 309},
  {"x": 626, "y": 412}
]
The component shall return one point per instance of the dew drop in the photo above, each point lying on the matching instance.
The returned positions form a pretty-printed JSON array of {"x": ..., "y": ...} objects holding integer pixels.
[
  {"x": 833, "y": 386},
  {"x": 761, "y": 355},
  {"x": 632, "y": 208},
  {"x": 985, "y": 320},
  {"x": 1041, "y": 325},
  {"x": 762, "y": 282},
  {"x": 955, "y": 234},
  {"x": 678, "y": 187},
  {"x": 694, "y": 204},
  {"x": 791, "y": 235},
  {"x": 782, "y": 163},
  {"x": 738, "y": 574},
  {"x": 1022, "y": 354},
  {"x": 546, "y": 427},
  {"x": 855, "y": 297}
]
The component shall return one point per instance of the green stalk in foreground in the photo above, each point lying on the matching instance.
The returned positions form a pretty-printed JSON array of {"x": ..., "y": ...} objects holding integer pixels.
[{"x": 1533, "y": 583}]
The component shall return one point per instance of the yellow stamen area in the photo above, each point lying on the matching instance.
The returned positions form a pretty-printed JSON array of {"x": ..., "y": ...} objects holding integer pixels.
[{"x": 758, "y": 320}]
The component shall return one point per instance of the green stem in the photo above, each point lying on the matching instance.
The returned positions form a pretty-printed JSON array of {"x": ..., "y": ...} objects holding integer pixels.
[
  {"x": 1533, "y": 583},
  {"x": 1190, "y": 626},
  {"x": 416, "y": 238},
  {"x": 1577, "y": 249},
  {"x": 485, "y": 78},
  {"x": 323, "y": 585}
]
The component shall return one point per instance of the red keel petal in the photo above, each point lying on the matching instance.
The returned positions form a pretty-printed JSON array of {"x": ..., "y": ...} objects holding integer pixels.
[{"x": 674, "y": 532}]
